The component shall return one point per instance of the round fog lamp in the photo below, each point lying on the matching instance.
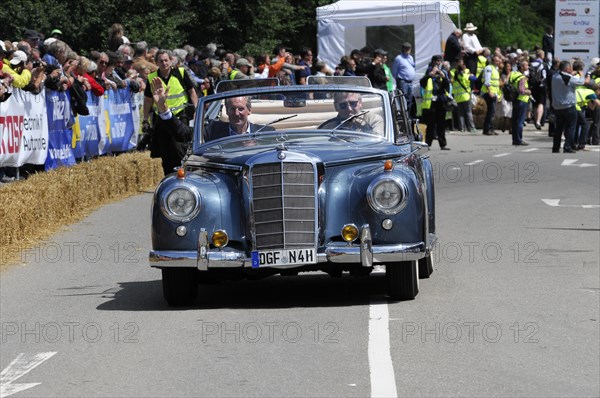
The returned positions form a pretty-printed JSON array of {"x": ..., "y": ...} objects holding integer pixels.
[
  {"x": 349, "y": 232},
  {"x": 387, "y": 224},
  {"x": 181, "y": 230},
  {"x": 219, "y": 238}
]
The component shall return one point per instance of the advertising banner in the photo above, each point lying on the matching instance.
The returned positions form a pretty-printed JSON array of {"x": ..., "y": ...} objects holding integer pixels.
[
  {"x": 577, "y": 23},
  {"x": 120, "y": 120},
  {"x": 23, "y": 129},
  {"x": 42, "y": 130},
  {"x": 60, "y": 135},
  {"x": 86, "y": 135}
]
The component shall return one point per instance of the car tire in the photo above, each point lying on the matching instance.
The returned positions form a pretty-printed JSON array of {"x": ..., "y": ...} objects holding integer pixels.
[
  {"x": 180, "y": 286},
  {"x": 402, "y": 280},
  {"x": 425, "y": 267}
]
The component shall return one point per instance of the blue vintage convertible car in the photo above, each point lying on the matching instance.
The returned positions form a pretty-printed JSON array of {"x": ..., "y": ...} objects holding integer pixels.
[{"x": 323, "y": 177}]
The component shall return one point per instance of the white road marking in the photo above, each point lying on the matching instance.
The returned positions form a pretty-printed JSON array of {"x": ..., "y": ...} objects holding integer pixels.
[
  {"x": 571, "y": 162},
  {"x": 383, "y": 380},
  {"x": 501, "y": 155},
  {"x": 531, "y": 150},
  {"x": 23, "y": 364},
  {"x": 473, "y": 163},
  {"x": 594, "y": 149},
  {"x": 556, "y": 203}
]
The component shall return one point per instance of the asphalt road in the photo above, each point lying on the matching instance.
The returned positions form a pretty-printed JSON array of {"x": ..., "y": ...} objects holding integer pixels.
[{"x": 512, "y": 308}]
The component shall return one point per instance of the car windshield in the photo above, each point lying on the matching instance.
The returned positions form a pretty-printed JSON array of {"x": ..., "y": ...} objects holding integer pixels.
[{"x": 340, "y": 112}]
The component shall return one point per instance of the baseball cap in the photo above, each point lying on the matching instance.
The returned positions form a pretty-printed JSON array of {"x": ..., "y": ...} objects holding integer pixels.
[
  {"x": 18, "y": 57},
  {"x": 406, "y": 45},
  {"x": 380, "y": 51},
  {"x": 56, "y": 32},
  {"x": 591, "y": 97}
]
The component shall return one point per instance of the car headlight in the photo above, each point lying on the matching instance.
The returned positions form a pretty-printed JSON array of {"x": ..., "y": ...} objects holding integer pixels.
[
  {"x": 387, "y": 195},
  {"x": 181, "y": 203}
]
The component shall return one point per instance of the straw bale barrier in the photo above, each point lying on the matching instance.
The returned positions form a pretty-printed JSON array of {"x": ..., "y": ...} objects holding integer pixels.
[{"x": 32, "y": 210}]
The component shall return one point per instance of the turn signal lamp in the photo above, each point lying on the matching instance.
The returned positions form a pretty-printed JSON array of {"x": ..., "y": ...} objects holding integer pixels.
[
  {"x": 180, "y": 173},
  {"x": 349, "y": 233},
  {"x": 388, "y": 165},
  {"x": 220, "y": 238}
]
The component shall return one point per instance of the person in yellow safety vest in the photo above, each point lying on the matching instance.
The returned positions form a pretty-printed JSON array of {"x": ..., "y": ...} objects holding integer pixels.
[
  {"x": 461, "y": 91},
  {"x": 435, "y": 86},
  {"x": 583, "y": 126},
  {"x": 241, "y": 71},
  {"x": 165, "y": 143},
  {"x": 490, "y": 91},
  {"x": 519, "y": 80},
  {"x": 482, "y": 61}
]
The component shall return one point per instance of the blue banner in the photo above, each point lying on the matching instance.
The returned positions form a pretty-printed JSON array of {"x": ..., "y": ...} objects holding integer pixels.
[
  {"x": 60, "y": 135},
  {"x": 120, "y": 120},
  {"x": 86, "y": 133}
]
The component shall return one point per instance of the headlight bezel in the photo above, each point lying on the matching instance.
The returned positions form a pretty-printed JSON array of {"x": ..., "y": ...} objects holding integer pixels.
[
  {"x": 382, "y": 209},
  {"x": 167, "y": 211}
]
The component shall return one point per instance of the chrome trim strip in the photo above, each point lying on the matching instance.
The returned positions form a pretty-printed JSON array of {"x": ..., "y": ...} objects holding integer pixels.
[
  {"x": 364, "y": 159},
  {"x": 211, "y": 165}
]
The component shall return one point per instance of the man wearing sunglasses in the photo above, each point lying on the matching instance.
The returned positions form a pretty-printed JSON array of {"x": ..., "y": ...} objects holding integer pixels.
[{"x": 348, "y": 104}]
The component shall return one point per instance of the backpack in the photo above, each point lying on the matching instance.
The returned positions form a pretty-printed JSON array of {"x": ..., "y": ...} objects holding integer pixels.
[
  {"x": 509, "y": 91},
  {"x": 536, "y": 76}
]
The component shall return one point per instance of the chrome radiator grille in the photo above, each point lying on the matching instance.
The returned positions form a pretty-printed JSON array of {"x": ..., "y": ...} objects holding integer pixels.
[{"x": 284, "y": 210}]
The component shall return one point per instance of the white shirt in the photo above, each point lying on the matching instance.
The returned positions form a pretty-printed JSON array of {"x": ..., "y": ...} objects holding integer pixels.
[{"x": 471, "y": 43}]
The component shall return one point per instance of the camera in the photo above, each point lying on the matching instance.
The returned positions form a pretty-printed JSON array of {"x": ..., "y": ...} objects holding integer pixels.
[{"x": 36, "y": 63}]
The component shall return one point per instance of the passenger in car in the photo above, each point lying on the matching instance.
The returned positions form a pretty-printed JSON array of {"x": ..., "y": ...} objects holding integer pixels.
[
  {"x": 348, "y": 104},
  {"x": 238, "y": 109}
]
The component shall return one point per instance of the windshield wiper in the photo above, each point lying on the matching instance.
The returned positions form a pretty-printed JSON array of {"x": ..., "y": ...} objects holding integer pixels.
[
  {"x": 281, "y": 119},
  {"x": 347, "y": 120},
  {"x": 332, "y": 132}
]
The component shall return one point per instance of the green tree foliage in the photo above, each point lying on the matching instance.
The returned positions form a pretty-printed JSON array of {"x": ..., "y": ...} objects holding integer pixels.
[
  {"x": 248, "y": 27},
  {"x": 502, "y": 23}
]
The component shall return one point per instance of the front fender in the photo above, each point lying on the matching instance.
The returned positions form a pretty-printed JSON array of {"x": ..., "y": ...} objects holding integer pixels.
[
  {"x": 221, "y": 208},
  {"x": 343, "y": 196}
]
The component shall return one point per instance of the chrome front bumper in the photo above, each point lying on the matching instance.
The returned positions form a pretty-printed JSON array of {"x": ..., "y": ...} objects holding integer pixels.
[{"x": 363, "y": 253}]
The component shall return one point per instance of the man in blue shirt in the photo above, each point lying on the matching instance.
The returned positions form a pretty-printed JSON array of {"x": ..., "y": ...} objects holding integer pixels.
[
  {"x": 403, "y": 70},
  {"x": 305, "y": 61}
]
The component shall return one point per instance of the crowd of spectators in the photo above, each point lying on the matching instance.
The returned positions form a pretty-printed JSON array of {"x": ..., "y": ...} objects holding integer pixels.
[
  {"x": 34, "y": 62},
  {"x": 490, "y": 74}
]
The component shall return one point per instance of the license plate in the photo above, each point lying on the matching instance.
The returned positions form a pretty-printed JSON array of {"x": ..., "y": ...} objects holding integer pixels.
[{"x": 274, "y": 258}]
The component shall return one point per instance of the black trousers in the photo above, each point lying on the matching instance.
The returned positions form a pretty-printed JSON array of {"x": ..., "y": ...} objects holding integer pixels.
[
  {"x": 471, "y": 63},
  {"x": 435, "y": 119}
]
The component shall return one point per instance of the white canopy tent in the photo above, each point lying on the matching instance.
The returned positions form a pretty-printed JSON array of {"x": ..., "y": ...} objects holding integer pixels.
[{"x": 349, "y": 24}]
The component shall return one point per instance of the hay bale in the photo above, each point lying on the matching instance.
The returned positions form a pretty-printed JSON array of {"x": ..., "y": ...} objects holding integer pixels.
[{"x": 34, "y": 209}]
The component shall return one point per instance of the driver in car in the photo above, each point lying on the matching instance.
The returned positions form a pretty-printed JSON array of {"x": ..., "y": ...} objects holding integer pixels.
[
  {"x": 349, "y": 117},
  {"x": 238, "y": 109}
]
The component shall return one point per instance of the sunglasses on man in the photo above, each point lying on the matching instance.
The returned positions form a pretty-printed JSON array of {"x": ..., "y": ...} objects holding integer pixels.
[{"x": 344, "y": 105}]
